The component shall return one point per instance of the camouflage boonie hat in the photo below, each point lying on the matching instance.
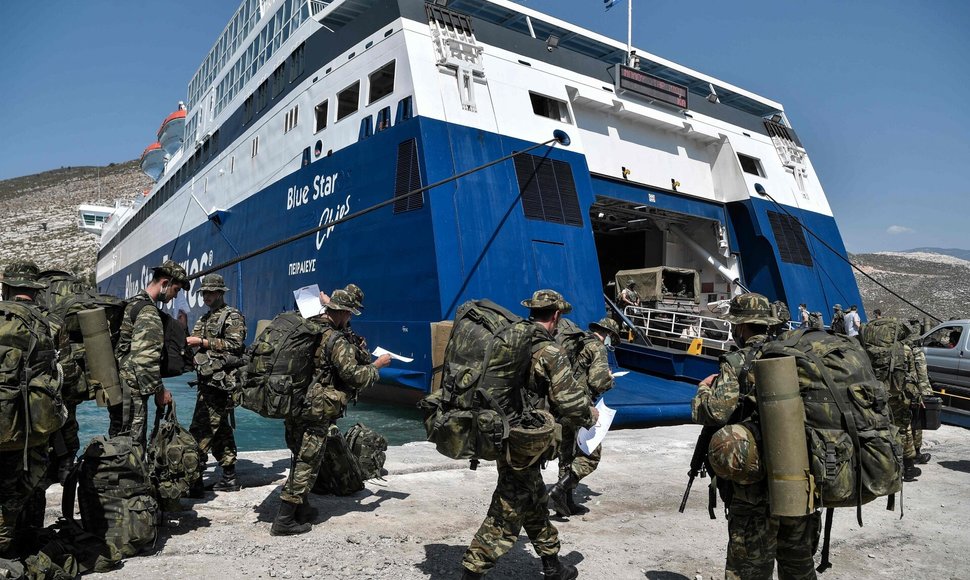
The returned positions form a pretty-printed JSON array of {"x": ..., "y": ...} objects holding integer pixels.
[
  {"x": 837, "y": 307},
  {"x": 751, "y": 308},
  {"x": 341, "y": 300},
  {"x": 214, "y": 283},
  {"x": 174, "y": 271},
  {"x": 546, "y": 300},
  {"x": 607, "y": 325},
  {"x": 356, "y": 294},
  {"x": 22, "y": 275},
  {"x": 734, "y": 456}
]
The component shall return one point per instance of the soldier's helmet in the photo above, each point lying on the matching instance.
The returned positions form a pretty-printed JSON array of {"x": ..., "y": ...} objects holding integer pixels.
[
  {"x": 751, "y": 308},
  {"x": 174, "y": 271},
  {"x": 341, "y": 300},
  {"x": 214, "y": 283},
  {"x": 22, "y": 275},
  {"x": 734, "y": 456},
  {"x": 608, "y": 326},
  {"x": 356, "y": 294},
  {"x": 547, "y": 300}
]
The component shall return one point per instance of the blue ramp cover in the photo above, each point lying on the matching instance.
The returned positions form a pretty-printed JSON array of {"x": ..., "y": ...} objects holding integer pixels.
[{"x": 643, "y": 400}]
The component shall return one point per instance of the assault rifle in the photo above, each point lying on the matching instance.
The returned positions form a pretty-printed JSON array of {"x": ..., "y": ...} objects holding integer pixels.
[{"x": 698, "y": 466}]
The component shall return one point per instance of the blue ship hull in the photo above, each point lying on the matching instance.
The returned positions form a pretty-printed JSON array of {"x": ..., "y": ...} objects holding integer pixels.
[{"x": 470, "y": 239}]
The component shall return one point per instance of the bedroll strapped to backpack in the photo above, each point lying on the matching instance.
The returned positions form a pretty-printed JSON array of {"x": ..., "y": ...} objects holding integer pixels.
[
  {"x": 173, "y": 456},
  {"x": 854, "y": 451},
  {"x": 281, "y": 366},
  {"x": 115, "y": 494},
  {"x": 31, "y": 407},
  {"x": 176, "y": 356},
  {"x": 882, "y": 339},
  {"x": 486, "y": 366}
]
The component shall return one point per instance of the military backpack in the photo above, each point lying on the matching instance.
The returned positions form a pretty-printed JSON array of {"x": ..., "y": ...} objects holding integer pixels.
[
  {"x": 115, "y": 495},
  {"x": 82, "y": 388},
  {"x": 882, "y": 339},
  {"x": 369, "y": 447},
  {"x": 486, "y": 367},
  {"x": 173, "y": 456},
  {"x": 838, "y": 322},
  {"x": 340, "y": 471},
  {"x": 176, "y": 355},
  {"x": 31, "y": 405},
  {"x": 281, "y": 366},
  {"x": 61, "y": 288}
]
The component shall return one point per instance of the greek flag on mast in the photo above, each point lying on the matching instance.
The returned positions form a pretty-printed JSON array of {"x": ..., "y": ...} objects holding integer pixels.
[{"x": 610, "y": 3}]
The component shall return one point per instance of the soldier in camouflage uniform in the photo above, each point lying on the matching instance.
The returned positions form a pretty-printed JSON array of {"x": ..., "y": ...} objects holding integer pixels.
[
  {"x": 900, "y": 401},
  {"x": 755, "y": 538},
  {"x": 306, "y": 436},
  {"x": 921, "y": 378},
  {"x": 592, "y": 367},
  {"x": 359, "y": 342},
  {"x": 220, "y": 337},
  {"x": 520, "y": 498},
  {"x": 139, "y": 354},
  {"x": 23, "y": 464}
]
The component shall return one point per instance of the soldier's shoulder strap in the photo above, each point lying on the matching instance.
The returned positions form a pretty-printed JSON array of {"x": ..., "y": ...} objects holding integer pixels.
[{"x": 137, "y": 305}]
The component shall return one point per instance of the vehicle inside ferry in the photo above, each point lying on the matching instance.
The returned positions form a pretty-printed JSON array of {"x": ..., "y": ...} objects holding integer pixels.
[{"x": 668, "y": 256}]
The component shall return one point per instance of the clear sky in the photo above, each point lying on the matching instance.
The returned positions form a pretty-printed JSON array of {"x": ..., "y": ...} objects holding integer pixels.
[{"x": 874, "y": 88}]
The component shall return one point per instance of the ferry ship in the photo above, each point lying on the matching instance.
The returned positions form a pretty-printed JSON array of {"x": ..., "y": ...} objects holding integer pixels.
[{"x": 304, "y": 113}]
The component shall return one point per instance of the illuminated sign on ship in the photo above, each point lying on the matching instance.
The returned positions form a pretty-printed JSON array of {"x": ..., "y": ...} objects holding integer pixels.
[{"x": 651, "y": 87}]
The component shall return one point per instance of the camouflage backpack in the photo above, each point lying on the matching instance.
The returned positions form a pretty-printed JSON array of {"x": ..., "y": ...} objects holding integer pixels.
[
  {"x": 882, "y": 339},
  {"x": 838, "y": 322},
  {"x": 176, "y": 356},
  {"x": 115, "y": 493},
  {"x": 281, "y": 366},
  {"x": 31, "y": 406},
  {"x": 61, "y": 287},
  {"x": 854, "y": 450},
  {"x": 173, "y": 456},
  {"x": 571, "y": 337},
  {"x": 369, "y": 447},
  {"x": 486, "y": 366},
  {"x": 81, "y": 387},
  {"x": 815, "y": 320},
  {"x": 340, "y": 472}
]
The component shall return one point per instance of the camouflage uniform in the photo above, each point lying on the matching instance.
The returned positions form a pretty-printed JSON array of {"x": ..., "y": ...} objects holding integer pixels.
[
  {"x": 139, "y": 355},
  {"x": 756, "y": 539},
  {"x": 224, "y": 329},
  {"x": 306, "y": 437},
  {"x": 520, "y": 498}
]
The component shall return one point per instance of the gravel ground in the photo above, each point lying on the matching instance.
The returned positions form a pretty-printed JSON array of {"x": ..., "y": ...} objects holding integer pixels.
[{"x": 417, "y": 522}]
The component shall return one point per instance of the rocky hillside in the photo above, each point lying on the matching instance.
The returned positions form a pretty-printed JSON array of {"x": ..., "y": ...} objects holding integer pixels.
[
  {"x": 38, "y": 213},
  {"x": 938, "y": 283}
]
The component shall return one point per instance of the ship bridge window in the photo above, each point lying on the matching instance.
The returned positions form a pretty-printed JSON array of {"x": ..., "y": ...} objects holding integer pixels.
[
  {"x": 751, "y": 165},
  {"x": 549, "y": 107},
  {"x": 548, "y": 191},
  {"x": 348, "y": 100},
  {"x": 321, "y": 112},
  {"x": 790, "y": 239},
  {"x": 381, "y": 82}
]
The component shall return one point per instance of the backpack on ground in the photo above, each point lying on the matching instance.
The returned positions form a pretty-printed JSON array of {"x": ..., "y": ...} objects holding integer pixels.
[
  {"x": 173, "y": 457},
  {"x": 281, "y": 366},
  {"x": 31, "y": 405},
  {"x": 882, "y": 339},
  {"x": 70, "y": 546},
  {"x": 486, "y": 367},
  {"x": 369, "y": 447},
  {"x": 340, "y": 471},
  {"x": 176, "y": 356},
  {"x": 115, "y": 496},
  {"x": 854, "y": 450}
]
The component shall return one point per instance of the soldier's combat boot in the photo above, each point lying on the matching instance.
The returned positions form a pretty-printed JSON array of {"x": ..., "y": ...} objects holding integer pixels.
[
  {"x": 910, "y": 471},
  {"x": 285, "y": 523},
  {"x": 228, "y": 481},
  {"x": 558, "y": 501},
  {"x": 553, "y": 569},
  {"x": 574, "y": 508},
  {"x": 467, "y": 574},
  {"x": 197, "y": 489},
  {"x": 306, "y": 513},
  {"x": 922, "y": 458}
]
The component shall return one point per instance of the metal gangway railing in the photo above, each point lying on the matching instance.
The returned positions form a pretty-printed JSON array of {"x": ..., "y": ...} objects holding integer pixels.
[{"x": 681, "y": 327}]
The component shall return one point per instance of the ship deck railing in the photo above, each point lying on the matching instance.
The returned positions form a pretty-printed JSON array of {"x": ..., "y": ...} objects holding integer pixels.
[{"x": 681, "y": 329}]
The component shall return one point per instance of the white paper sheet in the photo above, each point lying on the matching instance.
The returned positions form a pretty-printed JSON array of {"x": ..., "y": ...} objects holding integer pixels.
[
  {"x": 589, "y": 439},
  {"x": 308, "y": 300},
  {"x": 620, "y": 374},
  {"x": 380, "y": 350}
]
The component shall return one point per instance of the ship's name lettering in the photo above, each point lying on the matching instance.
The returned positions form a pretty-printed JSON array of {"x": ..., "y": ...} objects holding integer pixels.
[
  {"x": 304, "y": 267},
  {"x": 330, "y": 215},
  {"x": 323, "y": 186}
]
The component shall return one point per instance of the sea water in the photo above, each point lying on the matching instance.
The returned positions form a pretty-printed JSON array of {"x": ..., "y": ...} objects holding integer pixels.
[{"x": 398, "y": 423}]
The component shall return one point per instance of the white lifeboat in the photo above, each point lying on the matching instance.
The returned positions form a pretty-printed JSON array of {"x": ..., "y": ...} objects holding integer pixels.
[
  {"x": 153, "y": 160},
  {"x": 171, "y": 132}
]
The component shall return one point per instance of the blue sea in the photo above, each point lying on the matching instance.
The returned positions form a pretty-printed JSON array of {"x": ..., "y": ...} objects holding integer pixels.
[{"x": 398, "y": 423}]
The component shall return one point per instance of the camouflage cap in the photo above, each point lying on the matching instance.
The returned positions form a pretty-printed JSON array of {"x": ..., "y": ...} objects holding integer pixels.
[
  {"x": 214, "y": 283},
  {"x": 342, "y": 300},
  {"x": 607, "y": 325},
  {"x": 751, "y": 308},
  {"x": 22, "y": 275},
  {"x": 546, "y": 300},
  {"x": 356, "y": 294},
  {"x": 174, "y": 271},
  {"x": 734, "y": 456}
]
